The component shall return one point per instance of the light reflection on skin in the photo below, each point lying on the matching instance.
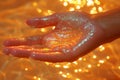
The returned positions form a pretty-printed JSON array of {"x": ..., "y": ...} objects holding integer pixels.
[
  {"x": 72, "y": 30},
  {"x": 81, "y": 61},
  {"x": 89, "y": 35},
  {"x": 79, "y": 34}
]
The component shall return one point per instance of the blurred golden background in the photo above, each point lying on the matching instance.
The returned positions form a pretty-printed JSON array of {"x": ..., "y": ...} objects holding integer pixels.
[{"x": 101, "y": 64}]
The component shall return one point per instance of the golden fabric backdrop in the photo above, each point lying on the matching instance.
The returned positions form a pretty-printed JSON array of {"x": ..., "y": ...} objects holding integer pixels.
[{"x": 101, "y": 64}]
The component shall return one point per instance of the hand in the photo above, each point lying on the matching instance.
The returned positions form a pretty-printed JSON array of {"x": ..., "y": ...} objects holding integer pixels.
[{"x": 75, "y": 35}]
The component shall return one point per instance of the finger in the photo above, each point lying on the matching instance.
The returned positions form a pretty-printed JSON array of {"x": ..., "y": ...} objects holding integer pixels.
[
  {"x": 50, "y": 57},
  {"x": 24, "y": 41},
  {"x": 17, "y": 51},
  {"x": 44, "y": 54},
  {"x": 43, "y": 21},
  {"x": 14, "y": 42},
  {"x": 24, "y": 51}
]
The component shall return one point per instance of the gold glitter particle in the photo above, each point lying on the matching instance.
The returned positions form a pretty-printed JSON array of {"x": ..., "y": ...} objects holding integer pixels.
[
  {"x": 89, "y": 66},
  {"x": 65, "y": 4},
  {"x": 94, "y": 56},
  {"x": 26, "y": 69},
  {"x": 77, "y": 79},
  {"x": 57, "y": 66},
  {"x": 118, "y": 67},
  {"x": 108, "y": 57},
  {"x": 101, "y": 61},
  {"x": 98, "y": 65},
  {"x": 101, "y": 48},
  {"x": 65, "y": 67}
]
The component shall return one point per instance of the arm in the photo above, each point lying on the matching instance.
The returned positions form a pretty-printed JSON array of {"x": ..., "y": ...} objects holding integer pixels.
[
  {"x": 110, "y": 23},
  {"x": 75, "y": 35}
]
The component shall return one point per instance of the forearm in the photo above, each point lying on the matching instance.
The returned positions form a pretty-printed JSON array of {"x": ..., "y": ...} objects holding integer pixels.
[{"x": 110, "y": 22}]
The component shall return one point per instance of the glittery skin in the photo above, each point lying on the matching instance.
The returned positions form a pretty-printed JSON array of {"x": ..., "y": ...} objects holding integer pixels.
[{"x": 65, "y": 43}]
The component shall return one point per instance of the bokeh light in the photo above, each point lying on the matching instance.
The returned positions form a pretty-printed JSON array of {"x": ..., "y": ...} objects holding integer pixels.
[{"x": 103, "y": 63}]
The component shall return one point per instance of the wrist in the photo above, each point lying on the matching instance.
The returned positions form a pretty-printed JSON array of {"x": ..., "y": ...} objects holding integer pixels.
[{"x": 109, "y": 22}]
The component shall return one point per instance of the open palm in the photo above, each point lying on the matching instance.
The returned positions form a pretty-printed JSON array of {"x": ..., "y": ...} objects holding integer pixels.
[{"x": 75, "y": 34}]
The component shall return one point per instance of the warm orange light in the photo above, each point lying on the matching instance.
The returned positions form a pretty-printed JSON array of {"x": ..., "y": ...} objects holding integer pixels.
[
  {"x": 35, "y": 3},
  {"x": 47, "y": 63},
  {"x": 108, "y": 57},
  {"x": 78, "y": 7},
  {"x": 93, "y": 10},
  {"x": 84, "y": 59},
  {"x": 100, "y": 9},
  {"x": 71, "y": 9},
  {"x": 94, "y": 56},
  {"x": 26, "y": 69},
  {"x": 35, "y": 77},
  {"x": 90, "y": 3},
  {"x": 38, "y": 79},
  {"x": 65, "y": 4},
  {"x": 75, "y": 62},
  {"x": 65, "y": 70},
  {"x": 53, "y": 27},
  {"x": 97, "y": 2},
  {"x": 81, "y": 3},
  {"x": 98, "y": 65},
  {"x": 89, "y": 65},
  {"x": 101, "y": 61},
  {"x": 65, "y": 75},
  {"x": 57, "y": 65},
  {"x": 77, "y": 79},
  {"x": 80, "y": 59},
  {"x": 60, "y": 72},
  {"x": 80, "y": 70},
  {"x": 76, "y": 70},
  {"x": 101, "y": 48},
  {"x": 43, "y": 30},
  {"x": 38, "y": 10},
  {"x": 118, "y": 67},
  {"x": 65, "y": 67},
  {"x": 48, "y": 12}
]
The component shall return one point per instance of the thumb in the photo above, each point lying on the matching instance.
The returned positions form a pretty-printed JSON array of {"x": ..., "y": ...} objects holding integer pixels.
[{"x": 43, "y": 21}]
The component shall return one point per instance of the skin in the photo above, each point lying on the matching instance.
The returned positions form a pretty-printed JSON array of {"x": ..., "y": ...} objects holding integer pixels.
[
  {"x": 110, "y": 22},
  {"x": 75, "y": 34}
]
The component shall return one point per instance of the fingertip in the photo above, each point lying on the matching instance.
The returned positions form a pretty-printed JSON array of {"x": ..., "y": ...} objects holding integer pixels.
[
  {"x": 32, "y": 22},
  {"x": 13, "y": 42},
  {"x": 17, "y": 51},
  {"x": 43, "y": 21},
  {"x": 8, "y": 42},
  {"x": 6, "y": 51}
]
